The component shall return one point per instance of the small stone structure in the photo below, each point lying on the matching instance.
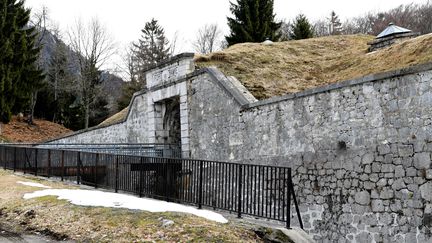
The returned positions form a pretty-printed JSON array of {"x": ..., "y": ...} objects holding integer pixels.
[
  {"x": 391, "y": 35},
  {"x": 360, "y": 150}
]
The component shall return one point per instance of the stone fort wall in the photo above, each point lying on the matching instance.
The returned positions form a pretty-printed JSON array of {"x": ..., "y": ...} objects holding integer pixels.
[{"x": 360, "y": 150}]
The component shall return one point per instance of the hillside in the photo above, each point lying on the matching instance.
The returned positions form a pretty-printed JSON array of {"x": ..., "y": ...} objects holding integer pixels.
[
  {"x": 17, "y": 130},
  {"x": 293, "y": 66},
  {"x": 111, "y": 83}
]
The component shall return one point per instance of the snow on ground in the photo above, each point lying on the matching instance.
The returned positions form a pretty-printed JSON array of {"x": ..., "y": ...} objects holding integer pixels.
[
  {"x": 26, "y": 183},
  {"x": 109, "y": 199}
]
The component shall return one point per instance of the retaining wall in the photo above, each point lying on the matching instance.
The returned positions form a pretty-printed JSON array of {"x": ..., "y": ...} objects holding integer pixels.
[{"x": 360, "y": 149}]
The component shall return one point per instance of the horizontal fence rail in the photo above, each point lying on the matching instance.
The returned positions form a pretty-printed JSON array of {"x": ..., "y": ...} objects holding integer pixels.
[
  {"x": 255, "y": 190},
  {"x": 137, "y": 149}
]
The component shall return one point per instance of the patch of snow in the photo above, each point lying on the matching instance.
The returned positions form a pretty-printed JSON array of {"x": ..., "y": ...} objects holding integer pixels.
[
  {"x": 114, "y": 200},
  {"x": 26, "y": 183}
]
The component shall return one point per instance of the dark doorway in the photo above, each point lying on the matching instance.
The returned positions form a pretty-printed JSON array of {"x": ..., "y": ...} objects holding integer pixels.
[{"x": 168, "y": 121}]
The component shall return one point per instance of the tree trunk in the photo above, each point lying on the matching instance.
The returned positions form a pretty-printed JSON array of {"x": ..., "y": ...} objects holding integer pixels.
[
  {"x": 32, "y": 107},
  {"x": 86, "y": 115}
]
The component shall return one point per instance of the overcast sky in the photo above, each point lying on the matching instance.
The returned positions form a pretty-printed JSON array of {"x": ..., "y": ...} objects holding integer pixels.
[{"x": 124, "y": 19}]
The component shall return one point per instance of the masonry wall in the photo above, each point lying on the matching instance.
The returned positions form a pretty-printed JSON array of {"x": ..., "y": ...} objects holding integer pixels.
[
  {"x": 133, "y": 130},
  {"x": 361, "y": 152}
]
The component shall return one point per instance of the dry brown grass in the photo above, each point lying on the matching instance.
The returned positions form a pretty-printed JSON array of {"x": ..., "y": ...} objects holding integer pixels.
[
  {"x": 17, "y": 130},
  {"x": 116, "y": 118},
  {"x": 293, "y": 66},
  {"x": 97, "y": 224}
]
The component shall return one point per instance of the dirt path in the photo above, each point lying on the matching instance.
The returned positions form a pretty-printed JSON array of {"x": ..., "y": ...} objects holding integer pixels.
[{"x": 11, "y": 237}]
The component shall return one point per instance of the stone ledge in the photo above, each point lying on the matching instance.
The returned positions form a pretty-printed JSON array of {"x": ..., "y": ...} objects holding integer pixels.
[
  {"x": 170, "y": 60},
  {"x": 225, "y": 84}
]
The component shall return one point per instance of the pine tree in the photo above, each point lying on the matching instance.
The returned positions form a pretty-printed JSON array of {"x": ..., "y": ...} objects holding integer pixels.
[
  {"x": 19, "y": 74},
  {"x": 335, "y": 27},
  {"x": 51, "y": 102},
  {"x": 301, "y": 28},
  {"x": 253, "y": 22},
  {"x": 152, "y": 48}
]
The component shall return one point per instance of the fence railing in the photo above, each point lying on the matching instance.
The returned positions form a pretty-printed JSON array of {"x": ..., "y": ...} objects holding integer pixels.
[
  {"x": 138, "y": 149},
  {"x": 256, "y": 190}
]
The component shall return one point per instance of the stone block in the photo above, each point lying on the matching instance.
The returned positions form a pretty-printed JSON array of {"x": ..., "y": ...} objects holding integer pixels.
[
  {"x": 411, "y": 171},
  {"x": 386, "y": 194},
  {"x": 387, "y": 168},
  {"x": 360, "y": 209},
  {"x": 382, "y": 182},
  {"x": 426, "y": 191},
  {"x": 362, "y": 198},
  {"x": 383, "y": 149},
  {"x": 363, "y": 237},
  {"x": 374, "y": 177},
  {"x": 422, "y": 160},
  {"x": 367, "y": 158},
  {"x": 398, "y": 184},
  {"x": 405, "y": 150},
  {"x": 399, "y": 171},
  {"x": 376, "y": 167},
  {"x": 419, "y": 146},
  {"x": 377, "y": 206},
  {"x": 396, "y": 206}
]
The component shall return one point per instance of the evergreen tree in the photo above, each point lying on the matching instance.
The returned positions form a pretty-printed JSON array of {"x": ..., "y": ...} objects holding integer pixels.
[
  {"x": 335, "y": 25},
  {"x": 52, "y": 97},
  {"x": 152, "y": 48},
  {"x": 128, "y": 89},
  {"x": 301, "y": 28},
  {"x": 253, "y": 21},
  {"x": 18, "y": 72}
]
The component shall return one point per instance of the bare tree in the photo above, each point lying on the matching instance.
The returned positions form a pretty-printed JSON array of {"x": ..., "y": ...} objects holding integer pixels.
[
  {"x": 92, "y": 47},
  {"x": 285, "y": 29},
  {"x": 321, "y": 28},
  {"x": 39, "y": 21},
  {"x": 425, "y": 16},
  {"x": 176, "y": 44},
  {"x": 208, "y": 39}
]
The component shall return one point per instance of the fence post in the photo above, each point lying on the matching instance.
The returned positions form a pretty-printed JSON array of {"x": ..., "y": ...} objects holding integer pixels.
[
  {"x": 15, "y": 160},
  {"x": 26, "y": 161},
  {"x": 62, "y": 165},
  {"x": 3, "y": 157},
  {"x": 288, "y": 209},
  {"x": 295, "y": 202},
  {"x": 239, "y": 194},
  {"x": 95, "y": 170},
  {"x": 36, "y": 162},
  {"x": 140, "y": 177},
  {"x": 49, "y": 163},
  {"x": 116, "y": 173},
  {"x": 78, "y": 167},
  {"x": 200, "y": 193},
  {"x": 165, "y": 167}
]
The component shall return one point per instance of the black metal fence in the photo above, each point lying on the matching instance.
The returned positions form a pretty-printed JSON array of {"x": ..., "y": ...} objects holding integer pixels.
[
  {"x": 256, "y": 190},
  {"x": 139, "y": 149}
]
